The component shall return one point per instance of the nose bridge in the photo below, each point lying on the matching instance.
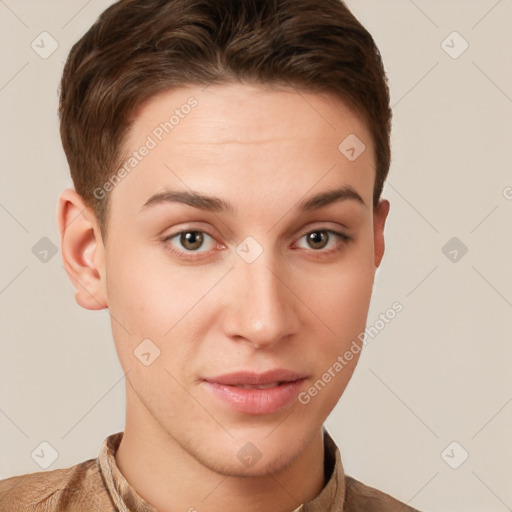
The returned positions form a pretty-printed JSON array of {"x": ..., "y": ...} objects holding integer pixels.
[{"x": 261, "y": 310}]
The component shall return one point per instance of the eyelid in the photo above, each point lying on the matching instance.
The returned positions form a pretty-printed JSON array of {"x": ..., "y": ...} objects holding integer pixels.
[
  {"x": 344, "y": 239},
  {"x": 190, "y": 230}
]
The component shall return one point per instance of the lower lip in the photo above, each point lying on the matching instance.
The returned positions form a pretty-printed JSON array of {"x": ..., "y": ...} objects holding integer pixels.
[{"x": 256, "y": 401}]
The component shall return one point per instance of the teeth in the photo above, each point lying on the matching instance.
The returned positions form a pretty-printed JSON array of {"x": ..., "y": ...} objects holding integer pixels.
[{"x": 262, "y": 386}]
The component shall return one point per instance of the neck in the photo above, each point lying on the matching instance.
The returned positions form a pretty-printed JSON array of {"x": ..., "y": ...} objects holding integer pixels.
[{"x": 168, "y": 477}]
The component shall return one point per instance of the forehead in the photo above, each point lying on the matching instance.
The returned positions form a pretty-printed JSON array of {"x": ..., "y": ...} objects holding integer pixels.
[
  {"x": 245, "y": 113},
  {"x": 246, "y": 141}
]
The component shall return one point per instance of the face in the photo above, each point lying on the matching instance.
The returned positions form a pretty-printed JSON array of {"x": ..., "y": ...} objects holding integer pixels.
[{"x": 246, "y": 301}]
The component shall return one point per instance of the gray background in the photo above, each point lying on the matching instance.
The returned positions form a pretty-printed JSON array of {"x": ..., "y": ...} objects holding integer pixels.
[{"x": 438, "y": 373}]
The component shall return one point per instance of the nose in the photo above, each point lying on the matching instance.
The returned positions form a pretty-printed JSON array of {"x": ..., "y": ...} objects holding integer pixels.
[{"x": 261, "y": 308}]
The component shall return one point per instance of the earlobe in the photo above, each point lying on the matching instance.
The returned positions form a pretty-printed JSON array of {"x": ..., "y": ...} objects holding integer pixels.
[
  {"x": 82, "y": 250},
  {"x": 379, "y": 221}
]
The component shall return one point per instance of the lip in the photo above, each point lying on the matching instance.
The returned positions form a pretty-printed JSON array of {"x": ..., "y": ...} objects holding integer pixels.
[{"x": 228, "y": 389}]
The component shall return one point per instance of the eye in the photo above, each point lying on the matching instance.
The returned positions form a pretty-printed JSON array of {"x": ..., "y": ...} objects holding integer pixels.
[
  {"x": 188, "y": 243},
  {"x": 319, "y": 239}
]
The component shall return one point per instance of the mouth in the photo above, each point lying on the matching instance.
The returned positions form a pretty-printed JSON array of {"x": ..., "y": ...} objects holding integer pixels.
[
  {"x": 261, "y": 386},
  {"x": 256, "y": 393}
]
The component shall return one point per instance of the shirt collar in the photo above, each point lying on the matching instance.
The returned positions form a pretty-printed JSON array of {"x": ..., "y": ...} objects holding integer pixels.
[{"x": 126, "y": 499}]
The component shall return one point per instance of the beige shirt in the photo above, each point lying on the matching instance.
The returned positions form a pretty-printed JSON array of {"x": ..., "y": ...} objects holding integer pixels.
[{"x": 97, "y": 485}]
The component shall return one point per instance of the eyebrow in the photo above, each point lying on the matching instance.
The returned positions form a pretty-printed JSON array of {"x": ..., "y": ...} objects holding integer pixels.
[{"x": 217, "y": 205}]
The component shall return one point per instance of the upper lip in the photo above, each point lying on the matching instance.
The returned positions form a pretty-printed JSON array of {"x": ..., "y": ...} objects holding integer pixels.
[{"x": 256, "y": 379}]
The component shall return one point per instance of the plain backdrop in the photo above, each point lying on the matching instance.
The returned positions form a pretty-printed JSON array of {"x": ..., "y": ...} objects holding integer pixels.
[{"x": 433, "y": 387}]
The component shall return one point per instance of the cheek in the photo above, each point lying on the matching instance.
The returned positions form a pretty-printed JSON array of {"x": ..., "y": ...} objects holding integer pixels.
[
  {"x": 341, "y": 296},
  {"x": 143, "y": 291},
  {"x": 129, "y": 287},
  {"x": 135, "y": 301},
  {"x": 341, "y": 300},
  {"x": 149, "y": 298}
]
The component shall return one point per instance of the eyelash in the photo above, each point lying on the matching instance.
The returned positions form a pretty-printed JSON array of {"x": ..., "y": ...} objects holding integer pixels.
[{"x": 190, "y": 256}]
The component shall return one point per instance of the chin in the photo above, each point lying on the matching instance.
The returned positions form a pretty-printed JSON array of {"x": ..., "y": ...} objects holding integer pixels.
[
  {"x": 258, "y": 458},
  {"x": 263, "y": 467}
]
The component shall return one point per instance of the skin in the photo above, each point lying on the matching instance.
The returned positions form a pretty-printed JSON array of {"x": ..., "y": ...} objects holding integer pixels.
[{"x": 296, "y": 306}]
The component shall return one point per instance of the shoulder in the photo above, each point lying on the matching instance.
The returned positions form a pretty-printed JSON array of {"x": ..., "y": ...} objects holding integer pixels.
[
  {"x": 56, "y": 490},
  {"x": 362, "y": 498}
]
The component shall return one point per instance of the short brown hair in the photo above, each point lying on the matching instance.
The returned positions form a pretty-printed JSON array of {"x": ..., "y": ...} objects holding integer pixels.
[{"x": 138, "y": 48}]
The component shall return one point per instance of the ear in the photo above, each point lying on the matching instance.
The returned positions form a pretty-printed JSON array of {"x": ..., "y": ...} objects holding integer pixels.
[
  {"x": 82, "y": 249},
  {"x": 379, "y": 220}
]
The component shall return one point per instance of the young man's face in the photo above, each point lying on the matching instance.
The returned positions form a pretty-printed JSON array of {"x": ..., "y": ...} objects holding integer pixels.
[{"x": 261, "y": 286}]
